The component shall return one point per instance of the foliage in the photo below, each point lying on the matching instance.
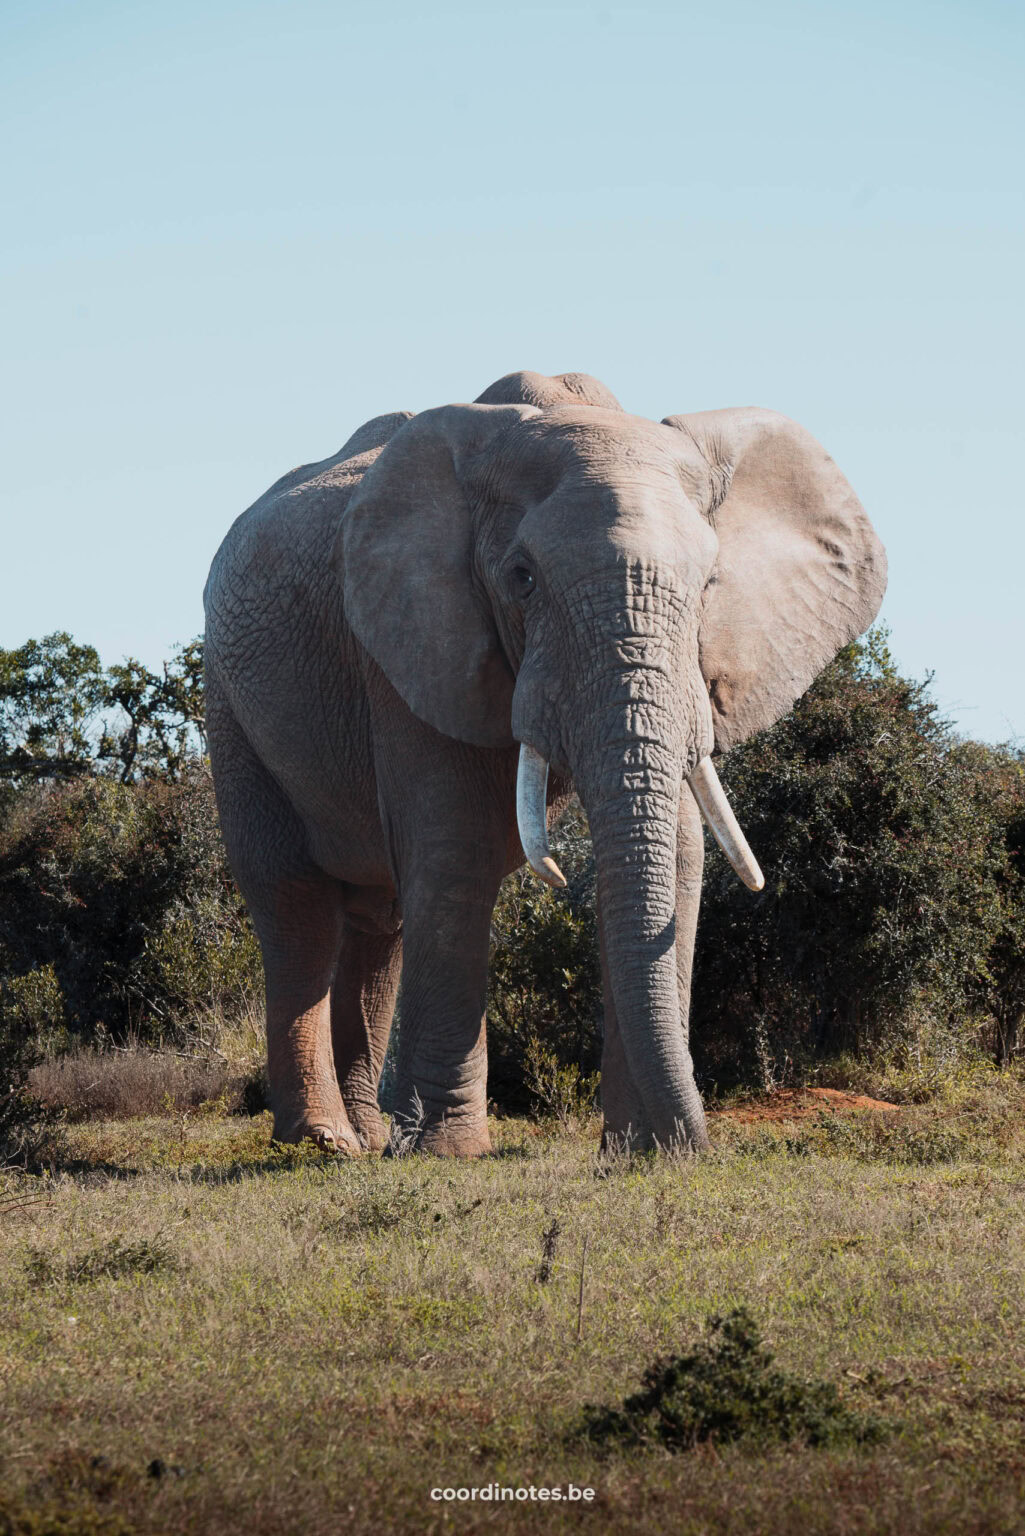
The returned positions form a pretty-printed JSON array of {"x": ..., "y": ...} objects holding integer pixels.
[
  {"x": 883, "y": 838},
  {"x": 161, "y": 716},
  {"x": 1001, "y": 987},
  {"x": 29, "y": 1132},
  {"x": 560, "y": 1093},
  {"x": 105, "y": 1261},
  {"x": 50, "y": 693},
  {"x": 118, "y": 914},
  {"x": 727, "y": 1389},
  {"x": 544, "y": 984},
  {"x": 62, "y": 716}
]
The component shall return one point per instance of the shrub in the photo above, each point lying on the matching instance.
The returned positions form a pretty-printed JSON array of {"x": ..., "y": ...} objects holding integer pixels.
[
  {"x": 883, "y": 844},
  {"x": 1002, "y": 988},
  {"x": 118, "y": 914},
  {"x": 544, "y": 981},
  {"x": 29, "y": 1132},
  {"x": 106, "y": 1261},
  {"x": 727, "y": 1389},
  {"x": 560, "y": 1094}
]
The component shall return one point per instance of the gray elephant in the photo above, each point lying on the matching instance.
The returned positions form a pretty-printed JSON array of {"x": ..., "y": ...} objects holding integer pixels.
[{"x": 415, "y": 648}]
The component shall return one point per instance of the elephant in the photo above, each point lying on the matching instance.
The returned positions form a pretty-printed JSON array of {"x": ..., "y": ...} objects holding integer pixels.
[{"x": 417, "y": 648}]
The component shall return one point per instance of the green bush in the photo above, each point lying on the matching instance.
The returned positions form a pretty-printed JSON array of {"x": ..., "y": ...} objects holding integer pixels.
[
  {"x": 30, "y": 1134},
  {"x": 544, "y": 984},
  {"x": 106, "y": 1261},
  {"x": 727, "y": 1389},
  {"x": 883, "y": 838},
  {"x": 118, "y": 915}
]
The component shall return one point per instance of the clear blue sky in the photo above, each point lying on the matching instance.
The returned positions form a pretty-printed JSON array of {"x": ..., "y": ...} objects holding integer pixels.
[{"x": 232, "y": 232}]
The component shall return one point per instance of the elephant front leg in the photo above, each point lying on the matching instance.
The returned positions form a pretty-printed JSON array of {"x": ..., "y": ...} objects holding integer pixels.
[
  {"x": 441, "y": 1091},
  {"x": 449, "y": 817}
]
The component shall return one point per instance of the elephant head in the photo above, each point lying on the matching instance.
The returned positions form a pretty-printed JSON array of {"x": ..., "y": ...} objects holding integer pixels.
[{"x": 622, "y": 598}]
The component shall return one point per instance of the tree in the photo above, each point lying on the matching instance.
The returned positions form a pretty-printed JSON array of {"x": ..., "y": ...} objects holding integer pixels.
[
  {"x": 51, "y": 693},
  {"x": 62, "y": 716},
  {"x": 163, "y": 716}
]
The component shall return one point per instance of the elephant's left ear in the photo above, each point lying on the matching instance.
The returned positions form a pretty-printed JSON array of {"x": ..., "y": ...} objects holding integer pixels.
[
  {"x": 405, "y": 556},
  {"x": 801, "y": 571}
]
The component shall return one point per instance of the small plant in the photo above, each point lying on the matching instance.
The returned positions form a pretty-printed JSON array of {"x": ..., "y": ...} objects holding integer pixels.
[
  {"x": 376, "y": 1210},
  {"x": 405, "y": 1130},
  {"x": 549, "y": 1244},
  {"x": 107, "y": 1261},
  {"x": 30, "y": 1133},
  {"x": 885, "y": 1139},
  {"x": 725, "y": 1390},
  {"x": 562, "y": 1095}
]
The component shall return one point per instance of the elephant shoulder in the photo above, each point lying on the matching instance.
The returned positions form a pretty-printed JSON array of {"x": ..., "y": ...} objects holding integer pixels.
[
  {"x": 363, "y": 446},
  {"x": 293, "y": 523},
  {"x": 374, "y": 434}
]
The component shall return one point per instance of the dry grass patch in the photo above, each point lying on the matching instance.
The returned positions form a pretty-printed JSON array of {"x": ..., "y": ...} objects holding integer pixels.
[{"x": 128, "y": 1084}]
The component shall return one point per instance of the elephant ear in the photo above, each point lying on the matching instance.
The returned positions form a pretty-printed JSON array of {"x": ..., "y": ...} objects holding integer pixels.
[
  {"x": 800, "y": 572},
  {"x": 404, "y": 555}
]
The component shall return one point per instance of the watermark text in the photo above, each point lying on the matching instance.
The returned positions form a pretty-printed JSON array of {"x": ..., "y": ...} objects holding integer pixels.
[{"x": 496, "y": 1493}]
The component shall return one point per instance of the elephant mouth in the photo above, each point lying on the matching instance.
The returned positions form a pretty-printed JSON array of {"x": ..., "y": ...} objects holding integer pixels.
[{"x": 712, "y": 801}]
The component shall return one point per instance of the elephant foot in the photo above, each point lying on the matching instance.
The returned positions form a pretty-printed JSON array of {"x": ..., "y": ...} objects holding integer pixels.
[
  {"x": 369, "y": 1126},
  {"x": 617, "y": 1140},
  {"x": 438, "y": 1140},
  {"x": 334, "y": 1135},
  {"x": 456, "y": 1141}
]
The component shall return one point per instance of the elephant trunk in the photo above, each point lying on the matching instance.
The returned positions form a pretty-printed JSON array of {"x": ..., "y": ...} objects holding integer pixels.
[
  {"x": 633, "y": 808},
  {"x": 631, "y": 783}
]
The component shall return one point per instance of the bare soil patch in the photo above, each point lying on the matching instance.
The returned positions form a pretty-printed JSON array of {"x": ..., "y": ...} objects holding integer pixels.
[{"x": 800, "y": 1104}]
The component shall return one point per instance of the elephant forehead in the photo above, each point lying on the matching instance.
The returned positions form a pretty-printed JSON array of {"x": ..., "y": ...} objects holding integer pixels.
[
  {"x": 585, "y": 531},
  {"x": 585, "y": 446}
]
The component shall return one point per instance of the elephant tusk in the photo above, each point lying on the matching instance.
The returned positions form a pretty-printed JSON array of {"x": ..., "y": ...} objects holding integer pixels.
[
  {"x": 725, "y": 828},
  {"x": 532, "y": 817}
]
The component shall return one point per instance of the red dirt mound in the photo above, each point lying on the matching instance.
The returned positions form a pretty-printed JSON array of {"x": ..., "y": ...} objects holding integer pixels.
[{"x": 799, "y": 1104}]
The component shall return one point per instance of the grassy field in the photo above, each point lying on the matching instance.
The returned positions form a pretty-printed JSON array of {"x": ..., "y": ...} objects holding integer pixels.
[{"x": 200, "y": 1333}]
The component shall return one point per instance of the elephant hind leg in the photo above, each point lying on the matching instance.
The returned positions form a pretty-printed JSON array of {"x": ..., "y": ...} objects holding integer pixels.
[
  {"x": 298, "y": 914},
  {"x": 362, "y": 1005},
  {"x": 300, "y": 941}
]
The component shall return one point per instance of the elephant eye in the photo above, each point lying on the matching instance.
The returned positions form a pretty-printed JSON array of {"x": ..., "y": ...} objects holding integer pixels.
[{"x": 522, "y": 581}]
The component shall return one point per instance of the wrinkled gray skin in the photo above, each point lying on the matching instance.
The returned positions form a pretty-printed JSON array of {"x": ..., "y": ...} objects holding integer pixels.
[{"x": 384, "y": 627}]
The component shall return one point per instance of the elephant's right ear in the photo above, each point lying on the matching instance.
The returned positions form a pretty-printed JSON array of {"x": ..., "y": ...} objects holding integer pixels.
[
  {"x": 800, "y": 573},
  {"x": 404, "y": 555}
]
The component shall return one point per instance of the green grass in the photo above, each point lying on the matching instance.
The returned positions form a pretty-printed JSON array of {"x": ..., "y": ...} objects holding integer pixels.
[{"x": 301, "y": 1345}]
